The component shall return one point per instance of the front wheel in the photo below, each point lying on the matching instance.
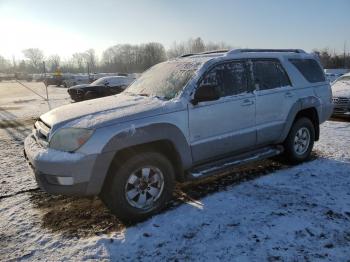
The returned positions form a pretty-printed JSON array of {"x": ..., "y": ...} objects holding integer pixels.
[
  {"x": 140, "y": 187},
  {"x": 300, "y": 141}
]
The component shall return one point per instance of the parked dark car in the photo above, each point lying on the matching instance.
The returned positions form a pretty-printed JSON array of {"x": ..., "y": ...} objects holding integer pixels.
[
  {"x": 105, "y": 86},
  {"x": 53, "y": 80},
  {"x": 23, "y": 76}
]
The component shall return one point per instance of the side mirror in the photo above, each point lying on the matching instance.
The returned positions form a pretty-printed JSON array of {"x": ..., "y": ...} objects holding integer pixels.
[{"x": 205, "y": 92}]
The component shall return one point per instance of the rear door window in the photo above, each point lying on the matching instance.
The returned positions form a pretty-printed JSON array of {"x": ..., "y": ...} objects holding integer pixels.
[
  {"x": 310, "y": 69},
  {"x": 269, "y": 74},
  {"x": 230, "y": 78}
]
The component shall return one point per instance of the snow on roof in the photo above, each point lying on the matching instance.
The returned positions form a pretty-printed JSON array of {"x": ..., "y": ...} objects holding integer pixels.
[{"x": 250, "y": 53}]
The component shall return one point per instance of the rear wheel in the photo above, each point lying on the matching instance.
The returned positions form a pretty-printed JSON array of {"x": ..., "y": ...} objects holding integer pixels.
[
  {"x": 300, "y": 141},
  {"x": 140, "y": 187}
]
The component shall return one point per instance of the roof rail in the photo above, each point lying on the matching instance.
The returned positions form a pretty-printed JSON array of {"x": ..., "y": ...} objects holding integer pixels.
[
  {"x": 214, "y": 51},
  {"x": 186, "y": 55},
  {"x": 236, "y": 51},
  {"x": 206, "y": 52}
]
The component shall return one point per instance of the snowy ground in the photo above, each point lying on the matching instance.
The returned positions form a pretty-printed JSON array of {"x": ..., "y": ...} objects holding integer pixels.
[{"x": 267, "y": 211}]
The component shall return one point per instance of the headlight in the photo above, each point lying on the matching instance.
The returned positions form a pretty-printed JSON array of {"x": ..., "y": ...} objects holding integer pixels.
[{"x": 69, "y": 139}]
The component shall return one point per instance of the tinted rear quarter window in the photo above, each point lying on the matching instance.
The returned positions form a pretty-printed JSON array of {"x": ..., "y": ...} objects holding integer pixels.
[
  {"x": 310, "y": 69},
  {"x": 269, "y": 74}
]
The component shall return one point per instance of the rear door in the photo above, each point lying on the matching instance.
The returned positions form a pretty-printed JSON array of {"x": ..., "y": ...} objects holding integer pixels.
[
  {"x": 228, "y": 124},
  {"x": 274, "y": 98}
]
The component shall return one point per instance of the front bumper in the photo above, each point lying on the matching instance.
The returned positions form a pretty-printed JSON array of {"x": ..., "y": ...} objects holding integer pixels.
[
  {"x": 341, "y": 111},
  {"x": 76, "y": 94},
  {"x": 341, "y": 106},
  {"x": 58, "y": 172}
]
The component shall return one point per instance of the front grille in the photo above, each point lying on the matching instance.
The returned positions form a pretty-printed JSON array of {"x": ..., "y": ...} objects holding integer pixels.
[
  {"x": 41, "y": 131},
  {"x": 76, "y": 94},
  {"x": 341, "y": 100}
]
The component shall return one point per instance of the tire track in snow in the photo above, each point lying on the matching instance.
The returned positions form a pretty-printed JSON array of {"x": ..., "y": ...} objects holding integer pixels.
[
  {"x": 20, "y": 192},
  {"x": 15, "y": 175}
]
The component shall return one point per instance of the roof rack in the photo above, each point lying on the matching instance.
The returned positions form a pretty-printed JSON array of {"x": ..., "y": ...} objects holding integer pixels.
[
  {"x": 236, "y": 51},
  {"x": 214, "y": 51},
  {"x": 186, "y": 55},
  {"x": 206, "y": 52}
]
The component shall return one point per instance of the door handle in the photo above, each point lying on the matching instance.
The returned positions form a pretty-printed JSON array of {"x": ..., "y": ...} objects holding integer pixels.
[
  {"x": 247, "y": 102},
  {"x": 288, "y": 94}
]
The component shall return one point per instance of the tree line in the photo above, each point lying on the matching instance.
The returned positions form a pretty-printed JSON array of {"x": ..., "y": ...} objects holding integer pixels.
[
  {"x": 127, "y": 58},
  {"x": 332, "y": 60}
]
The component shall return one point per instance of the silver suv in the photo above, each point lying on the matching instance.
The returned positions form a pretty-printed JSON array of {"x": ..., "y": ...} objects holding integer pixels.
[{"x": 187, "y": 118}]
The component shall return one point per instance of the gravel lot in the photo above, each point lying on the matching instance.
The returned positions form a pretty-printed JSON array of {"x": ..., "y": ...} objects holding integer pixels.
[{"x": 266, "y": 211}]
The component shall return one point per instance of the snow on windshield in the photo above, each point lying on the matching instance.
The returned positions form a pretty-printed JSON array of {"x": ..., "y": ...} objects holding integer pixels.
[
  {"x": 116, "y": 80},
  {"x": 99, "y": 81},
  {"x": 167, "y": 79}
]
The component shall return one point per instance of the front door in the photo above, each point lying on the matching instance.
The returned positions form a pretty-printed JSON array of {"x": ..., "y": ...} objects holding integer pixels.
[{"x": 226, "y": 125}]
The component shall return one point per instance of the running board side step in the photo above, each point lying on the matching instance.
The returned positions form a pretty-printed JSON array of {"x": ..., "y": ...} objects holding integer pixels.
[{"x": 226, "y": 164}]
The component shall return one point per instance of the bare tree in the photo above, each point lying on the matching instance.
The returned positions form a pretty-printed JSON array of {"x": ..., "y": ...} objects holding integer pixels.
[
  {"x": 78, "y": 60},
  {"x": 177, "y": 49},
  {"x": 153, "y": 54},
  {"x": 332, "y": 60},
  {"x": 132, "y": 58},
  {"x": 196, "y": 45},
  {"x": 211, "y": 46},
  {"x": 91, "y": 59},
  {"x": 4, "y": 64},
  {"x": 54, "y": 62},
  {"x": 35, "y": 56}
]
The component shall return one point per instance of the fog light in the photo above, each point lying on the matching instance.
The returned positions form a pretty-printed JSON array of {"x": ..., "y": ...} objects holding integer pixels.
[{"x": 65, "y": 180}]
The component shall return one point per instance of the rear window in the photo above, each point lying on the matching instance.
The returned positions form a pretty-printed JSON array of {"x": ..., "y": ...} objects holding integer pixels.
[{"x": 310, "y": 69}]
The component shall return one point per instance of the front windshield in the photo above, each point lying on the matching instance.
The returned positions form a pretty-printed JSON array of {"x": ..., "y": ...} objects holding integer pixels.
[
  {"x": 165, "y": 80},
  {"x": 99, "y": 81}
]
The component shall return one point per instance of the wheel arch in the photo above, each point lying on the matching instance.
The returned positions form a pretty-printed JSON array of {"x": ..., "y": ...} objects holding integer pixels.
[
  {"x": 308, "y": 107},
  {"x": 311, "y": 113},
  {"x": 163, "y": 138}
]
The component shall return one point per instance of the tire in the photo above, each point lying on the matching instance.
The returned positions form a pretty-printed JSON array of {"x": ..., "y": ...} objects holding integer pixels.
[
  {"x": 300, "y": 141},
  {"x": 121, "y": 195}
]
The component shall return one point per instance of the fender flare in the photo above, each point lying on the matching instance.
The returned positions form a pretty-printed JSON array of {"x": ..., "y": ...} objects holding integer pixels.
[
  {"x": 299, "y": 105},
  {"x": 136, "y": 137}
]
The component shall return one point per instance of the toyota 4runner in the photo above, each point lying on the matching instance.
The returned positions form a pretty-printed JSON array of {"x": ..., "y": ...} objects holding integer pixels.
[{"x": 183, "y": 119}]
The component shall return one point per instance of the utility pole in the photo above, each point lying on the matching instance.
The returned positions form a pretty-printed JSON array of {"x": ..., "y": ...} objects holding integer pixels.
[
  {"x": 344, "y": 54},
  {"x": 47, "y": 92},
  {"x": 14, "y": 63},
  {"x": 88, "y": 70}
]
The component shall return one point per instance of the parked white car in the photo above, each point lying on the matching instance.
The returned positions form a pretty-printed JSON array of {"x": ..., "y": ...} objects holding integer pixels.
[{"x": 341, "y": 96}]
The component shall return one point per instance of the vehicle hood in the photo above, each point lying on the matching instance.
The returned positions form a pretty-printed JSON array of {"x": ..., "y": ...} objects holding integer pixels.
[
  {"x": 79, "y": 86},
  {"x": 341, "y": 89},
  {"x": 108, "y": 110}
]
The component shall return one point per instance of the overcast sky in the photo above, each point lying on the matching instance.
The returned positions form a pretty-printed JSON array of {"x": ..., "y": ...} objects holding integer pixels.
[{"x": 64, "y": 27}]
